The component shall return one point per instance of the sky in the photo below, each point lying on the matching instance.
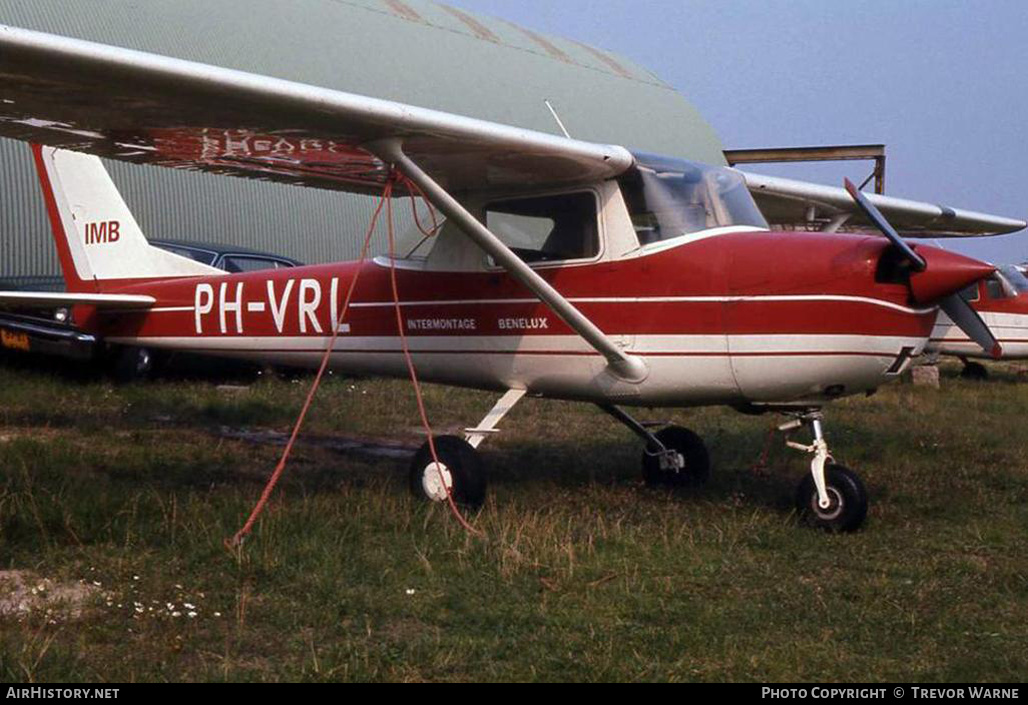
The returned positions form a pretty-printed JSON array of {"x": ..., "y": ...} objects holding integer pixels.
[{"x": 944, "y": 85}]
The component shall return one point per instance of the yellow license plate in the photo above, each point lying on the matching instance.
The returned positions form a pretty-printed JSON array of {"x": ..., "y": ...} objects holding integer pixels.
[{"x": 15, "y": 341}]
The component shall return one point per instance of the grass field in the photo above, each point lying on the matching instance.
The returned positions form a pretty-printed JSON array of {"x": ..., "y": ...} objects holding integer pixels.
[{"x": 118, "y": 500}]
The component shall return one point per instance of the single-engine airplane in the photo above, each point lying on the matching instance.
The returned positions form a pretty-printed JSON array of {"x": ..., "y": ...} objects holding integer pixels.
[
  {"x": 564, "y": 269},
  {"x": 1001, "y": 300}
]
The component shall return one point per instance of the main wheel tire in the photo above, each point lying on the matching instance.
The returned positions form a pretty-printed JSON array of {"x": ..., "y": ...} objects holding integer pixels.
[
  {"x": 974, "y": 371},
  {"x": 462, "y": 473},
  {"x": 693, "y": 450},
  {"x": 847, "y": 496},
  {"x": 132, "y": 364}
]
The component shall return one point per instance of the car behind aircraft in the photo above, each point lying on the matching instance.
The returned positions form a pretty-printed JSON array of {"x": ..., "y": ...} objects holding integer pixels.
[{"x": 54, "y": 332}]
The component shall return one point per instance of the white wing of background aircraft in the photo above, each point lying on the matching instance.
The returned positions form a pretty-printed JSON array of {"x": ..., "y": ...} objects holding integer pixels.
[{"x": 788, "y": 202}]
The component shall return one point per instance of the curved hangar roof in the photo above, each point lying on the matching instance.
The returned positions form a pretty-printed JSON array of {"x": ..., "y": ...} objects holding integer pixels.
[{"x": 413, "y": 51}]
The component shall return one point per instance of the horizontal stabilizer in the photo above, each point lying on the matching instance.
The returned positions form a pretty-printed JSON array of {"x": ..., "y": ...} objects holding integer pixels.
[{"x": 41, "y": 299}]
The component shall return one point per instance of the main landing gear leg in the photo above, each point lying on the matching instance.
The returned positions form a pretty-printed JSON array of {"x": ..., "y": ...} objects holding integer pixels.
[
  {"x": 460, "y": 470},
  {"x": 673, "y": 457},
  {"x": 831, "y": 496}
]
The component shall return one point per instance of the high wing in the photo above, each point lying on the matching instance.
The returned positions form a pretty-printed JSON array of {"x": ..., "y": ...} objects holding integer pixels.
[
  {"x": 788, "y": 203},
  {"x": 152, "y": 109}
]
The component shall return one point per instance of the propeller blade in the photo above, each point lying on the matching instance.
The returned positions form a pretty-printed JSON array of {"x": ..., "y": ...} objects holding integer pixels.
[
  {"x": 917, "y": 262},
  {"x": 968, "y": 320}
]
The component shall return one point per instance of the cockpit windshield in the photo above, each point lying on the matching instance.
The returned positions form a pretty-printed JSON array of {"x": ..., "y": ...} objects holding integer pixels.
[
  {"x": 1014, "y": 278},
  {"x": 667, "y": 198}
]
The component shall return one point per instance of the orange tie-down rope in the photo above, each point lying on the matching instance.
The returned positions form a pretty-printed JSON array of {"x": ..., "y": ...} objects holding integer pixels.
[{"x": 384, "y": 201}]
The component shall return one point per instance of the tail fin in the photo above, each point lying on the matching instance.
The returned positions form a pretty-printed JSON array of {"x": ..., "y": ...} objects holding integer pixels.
[{"x": 97, "y": 238}]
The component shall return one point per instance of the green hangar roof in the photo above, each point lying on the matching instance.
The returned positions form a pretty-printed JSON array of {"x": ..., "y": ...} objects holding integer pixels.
[{"x": 413, "y": 51}]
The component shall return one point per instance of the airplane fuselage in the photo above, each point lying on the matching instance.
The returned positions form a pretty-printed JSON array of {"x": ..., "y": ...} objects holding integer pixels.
[
  {"x": 1005, "y": 314},
  {"x": 733, "y": 317}
]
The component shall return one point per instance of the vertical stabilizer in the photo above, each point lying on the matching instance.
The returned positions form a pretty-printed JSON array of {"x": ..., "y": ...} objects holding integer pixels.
[{"x": 98, "y": 240}]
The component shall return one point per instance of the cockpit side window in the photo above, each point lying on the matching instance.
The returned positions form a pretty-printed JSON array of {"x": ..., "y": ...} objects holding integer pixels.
[
  {"x": 547, "y": 228},
  {"x": 994, "y": 288}
]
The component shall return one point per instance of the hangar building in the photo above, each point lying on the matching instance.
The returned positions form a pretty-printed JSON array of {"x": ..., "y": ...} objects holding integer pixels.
[{"x": 414, "y": 51}]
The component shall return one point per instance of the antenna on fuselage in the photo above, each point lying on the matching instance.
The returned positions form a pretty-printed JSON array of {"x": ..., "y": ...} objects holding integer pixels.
[{"x": 556, "y": 117}]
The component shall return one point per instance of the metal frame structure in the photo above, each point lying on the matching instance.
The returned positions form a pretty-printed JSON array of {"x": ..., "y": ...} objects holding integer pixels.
[{"x": 782, "y": 155}]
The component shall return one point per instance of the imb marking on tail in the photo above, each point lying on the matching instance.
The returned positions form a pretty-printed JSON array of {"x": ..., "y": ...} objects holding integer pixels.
[{"x": 104, "y": 231}]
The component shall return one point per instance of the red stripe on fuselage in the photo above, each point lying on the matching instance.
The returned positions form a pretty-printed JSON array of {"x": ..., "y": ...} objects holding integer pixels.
[{"x": 743, "y": 268}]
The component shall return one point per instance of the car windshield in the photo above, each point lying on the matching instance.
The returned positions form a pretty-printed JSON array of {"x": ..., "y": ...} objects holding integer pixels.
[{"x": 667, "y": 198}]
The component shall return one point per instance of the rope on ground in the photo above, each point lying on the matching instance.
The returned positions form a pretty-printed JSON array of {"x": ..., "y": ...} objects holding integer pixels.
[
  {"x": 236, "y": 540},
  {"x": 385, "y": 200},
  {"x": 414, "y": 375},
  {"x": 760, "y": 467}
]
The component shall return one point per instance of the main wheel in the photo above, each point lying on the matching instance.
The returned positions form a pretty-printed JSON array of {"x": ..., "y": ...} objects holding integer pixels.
[
  {"x": 461, "y": 473},
  {"x": 131, "y": 364},
  {"x": 690, "y": 449},
  {"x": 974, "y": 371},
  {"x": 847, "y": 500}
]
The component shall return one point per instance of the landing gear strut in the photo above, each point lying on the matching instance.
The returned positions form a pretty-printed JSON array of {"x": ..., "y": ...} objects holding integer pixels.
[
  {"x": 831, "y": 496},
  {"x": 673, "y": 457}
]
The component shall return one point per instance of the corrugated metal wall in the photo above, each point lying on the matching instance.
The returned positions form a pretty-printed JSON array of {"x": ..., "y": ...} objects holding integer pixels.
[{"x": 415, "y": 51}]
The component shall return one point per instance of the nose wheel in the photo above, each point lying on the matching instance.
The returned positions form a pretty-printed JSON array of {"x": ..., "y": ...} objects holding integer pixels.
[
  {"x": 831, "y": 496},
  {"x": 847, "y": 500}
]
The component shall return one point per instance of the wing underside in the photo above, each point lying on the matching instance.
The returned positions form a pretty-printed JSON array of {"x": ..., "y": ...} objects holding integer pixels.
[
  {"x": 790, "y": 203},
  {"x": 151, "y": 109}
]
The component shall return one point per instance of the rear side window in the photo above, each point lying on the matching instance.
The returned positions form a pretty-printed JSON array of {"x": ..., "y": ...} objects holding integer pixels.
[
  {"x": 248, "y": 263},
  {"x": 547, "y": 228},
  {"x": 193, "y": 253}
]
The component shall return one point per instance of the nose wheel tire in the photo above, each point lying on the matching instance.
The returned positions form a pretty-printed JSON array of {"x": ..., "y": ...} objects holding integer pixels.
[
  {"x": 460, "y": 471},
  {"x": 688, "y": 466},
  {"x": 847, "y": 500}
]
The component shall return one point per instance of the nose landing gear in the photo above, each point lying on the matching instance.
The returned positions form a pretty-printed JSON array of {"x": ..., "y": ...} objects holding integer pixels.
[{"x": 831, "y": 496}]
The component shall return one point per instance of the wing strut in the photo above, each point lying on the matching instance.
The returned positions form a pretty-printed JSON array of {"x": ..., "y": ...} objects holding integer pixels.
[{"x": 627, "y": 367}]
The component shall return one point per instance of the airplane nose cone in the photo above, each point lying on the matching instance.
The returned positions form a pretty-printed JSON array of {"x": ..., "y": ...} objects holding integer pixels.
[{"x": 946, "y": 273}]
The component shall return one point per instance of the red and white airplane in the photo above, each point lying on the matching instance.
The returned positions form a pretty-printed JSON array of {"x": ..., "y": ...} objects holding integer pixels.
[
  {"x": 1001, "y": 300},
  {"x": 564, "y": 269}
]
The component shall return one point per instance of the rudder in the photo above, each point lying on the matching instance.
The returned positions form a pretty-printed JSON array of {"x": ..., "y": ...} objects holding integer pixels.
[{"x": 98, "y": 239}]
